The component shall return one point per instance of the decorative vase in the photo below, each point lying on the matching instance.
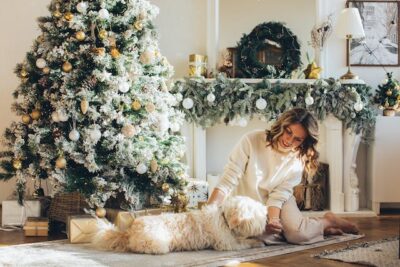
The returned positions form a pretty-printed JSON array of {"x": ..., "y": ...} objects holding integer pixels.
[{"x": 389, "y": 112}]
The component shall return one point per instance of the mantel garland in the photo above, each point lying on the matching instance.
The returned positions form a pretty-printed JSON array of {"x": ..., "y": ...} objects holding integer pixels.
[
  {"x": 234, "y": 102},
  {"x": 274, "y": 32}
]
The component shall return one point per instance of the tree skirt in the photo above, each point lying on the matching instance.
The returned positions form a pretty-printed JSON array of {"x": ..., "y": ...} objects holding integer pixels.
[
  {"x": 383, "y": 253},
  {"x": 60, "y": 253}
]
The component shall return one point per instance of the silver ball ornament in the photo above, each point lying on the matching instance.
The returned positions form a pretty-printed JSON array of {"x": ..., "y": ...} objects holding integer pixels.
[
  {"x": 187, "y": 103},
  {"x": 261, "y": 103},
  {"x": 74, "y": 135}
]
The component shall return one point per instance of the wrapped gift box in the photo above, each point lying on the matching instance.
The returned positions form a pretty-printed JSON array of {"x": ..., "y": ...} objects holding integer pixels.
[
  {"x": 15, "y": 214},
  {"x": 36, "y": 226},
  {"x": 197, "y": 191},
  {"x": 120, "y": 218},
  {"x": 81, "y": 228}
]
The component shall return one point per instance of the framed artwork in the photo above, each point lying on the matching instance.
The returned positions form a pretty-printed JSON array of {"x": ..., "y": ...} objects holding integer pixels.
[{"x": 381, "y": 26}]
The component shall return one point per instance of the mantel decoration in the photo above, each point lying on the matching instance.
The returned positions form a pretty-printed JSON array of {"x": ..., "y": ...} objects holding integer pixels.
[
  {"x": 275, "y": 33},
  {"x": 388, "y": 95},
  {"x": 234, "y": 102}
]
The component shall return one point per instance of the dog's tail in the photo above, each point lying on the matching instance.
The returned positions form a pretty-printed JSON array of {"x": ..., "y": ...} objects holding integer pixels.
[{"x": 109, "y": 237}]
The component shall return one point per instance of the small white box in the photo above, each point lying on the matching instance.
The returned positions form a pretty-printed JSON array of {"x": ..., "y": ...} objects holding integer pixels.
[{"x": 15, "y": 214}]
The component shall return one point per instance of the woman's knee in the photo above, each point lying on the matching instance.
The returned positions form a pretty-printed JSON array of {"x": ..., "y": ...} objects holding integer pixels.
[{"x": 295, "y": 236}]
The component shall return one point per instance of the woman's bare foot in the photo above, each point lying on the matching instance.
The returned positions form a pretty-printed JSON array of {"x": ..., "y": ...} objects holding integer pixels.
[
  {"x": 338, "y": 223},
  {"x": 333, "y": 231}
]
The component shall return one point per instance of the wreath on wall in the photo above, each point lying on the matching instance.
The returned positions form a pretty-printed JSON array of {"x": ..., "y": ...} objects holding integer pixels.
[{"x": 250, "y": 44}]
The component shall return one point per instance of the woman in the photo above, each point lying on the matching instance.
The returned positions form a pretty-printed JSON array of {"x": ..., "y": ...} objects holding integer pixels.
[{"x": 266, "y": 165}]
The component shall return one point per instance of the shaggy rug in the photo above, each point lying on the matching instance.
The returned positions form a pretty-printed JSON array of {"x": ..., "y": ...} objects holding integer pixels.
[
  {"x": 62, "y": 254},
  {"x": 383, "y": 253}
]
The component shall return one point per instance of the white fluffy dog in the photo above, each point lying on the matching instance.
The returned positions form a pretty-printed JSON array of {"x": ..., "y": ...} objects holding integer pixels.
[{"x": 222, "y": 228}]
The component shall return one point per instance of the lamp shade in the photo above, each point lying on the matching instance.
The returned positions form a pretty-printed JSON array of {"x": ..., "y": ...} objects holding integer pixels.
[{"x": 349, "y": 23}]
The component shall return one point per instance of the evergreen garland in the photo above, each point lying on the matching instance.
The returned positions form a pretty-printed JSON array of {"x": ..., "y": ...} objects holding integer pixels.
[
  {"x": 249, "y": 44},
  {"x": 235, "y": 101}
]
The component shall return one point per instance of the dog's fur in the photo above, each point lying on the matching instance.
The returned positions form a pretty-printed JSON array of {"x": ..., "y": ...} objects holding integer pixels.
[{"x": 222, "y": 228}]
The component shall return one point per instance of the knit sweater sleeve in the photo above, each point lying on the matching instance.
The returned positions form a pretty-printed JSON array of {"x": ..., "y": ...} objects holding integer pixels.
[
  {"x": 281, "y": 193},
  {"x": 236, "y": 166}
]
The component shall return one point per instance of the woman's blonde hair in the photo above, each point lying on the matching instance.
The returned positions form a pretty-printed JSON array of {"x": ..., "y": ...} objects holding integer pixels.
[{"x": 307, "y": 150}]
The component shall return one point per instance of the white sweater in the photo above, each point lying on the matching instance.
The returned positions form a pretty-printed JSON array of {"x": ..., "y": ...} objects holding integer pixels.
[{"x": 261, "y": 172}]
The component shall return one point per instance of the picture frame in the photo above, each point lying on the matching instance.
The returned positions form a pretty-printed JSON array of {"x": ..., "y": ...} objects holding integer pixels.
[{"x": 380, "y": 47}]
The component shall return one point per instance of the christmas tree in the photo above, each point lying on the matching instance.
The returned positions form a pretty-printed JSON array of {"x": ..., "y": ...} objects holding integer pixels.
[
  {"x": 388, "y": 94},
  {"x": 96, "y": 113}
]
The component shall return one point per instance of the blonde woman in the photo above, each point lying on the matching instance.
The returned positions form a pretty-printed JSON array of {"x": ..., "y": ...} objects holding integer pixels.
[{"x": 266, "y": 165}]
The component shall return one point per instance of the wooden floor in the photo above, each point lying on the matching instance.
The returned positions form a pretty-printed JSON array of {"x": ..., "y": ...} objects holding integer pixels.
[{"x": 374, "y": 228}]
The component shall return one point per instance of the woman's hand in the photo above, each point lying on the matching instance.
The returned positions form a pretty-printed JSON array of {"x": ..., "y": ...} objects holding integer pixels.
[{"x": 273, "y": 226}]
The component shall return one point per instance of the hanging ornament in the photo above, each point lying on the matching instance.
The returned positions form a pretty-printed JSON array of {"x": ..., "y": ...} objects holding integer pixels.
[
  {"x": 165, "y": 187},
  {"x": 74, "y": 135},
  {"x": 138, "y": 25},
  {"x": 141, "y": 168},
  {"x": 23, "y": 73},
  {"x": 57, "y": 13},
  {"x": 147, "y": 57},
  {"x": 62, "y": 115},
  {"x": 389, "y": 92},
  {"x": 100, "y": 51},
  {"x": 136, "y": 105},
  {"x": 61, "y": 163},
  {"x": 54, "y": 116},
  {"x": 124, "y": 87},
  {"x": 128, "y": 130},
  {"x": 26, "y": 119},
  {"x": 95, "y": 135},
  {"x": 41, "y": 63},
  {"x": 309, "y": 100},
  {"x": 150, "y": 107},
  {"x": 104, "y": 14},
  {"x": 35, "y": 114},
  {"x": 103, "y": 34},
  {"x": 187, "y": 103},
  {"x": 294, "y": 98},
  {"x": 358, "y": 106},
  {"x": 153, "y": 166},
  {"x": 101, "y": 212},
  {"x": 82, "y": 7},
  {"x": 68, "y": 16},
  {"x": 46, "y": 70},
  {"x": 261, "y": 103},
  {"x": 80, "y": 36},
  {"x": 210, "y": 97},
  {"x": 115, "y": 52},
  {"x": 67, "y": 67},
  {"x": 17, "y": 164},
  {"x": 84, "y": 106}
]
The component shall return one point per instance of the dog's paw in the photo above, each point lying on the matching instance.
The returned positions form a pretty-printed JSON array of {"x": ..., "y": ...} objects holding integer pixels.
[{"x": 254, "y": 243}]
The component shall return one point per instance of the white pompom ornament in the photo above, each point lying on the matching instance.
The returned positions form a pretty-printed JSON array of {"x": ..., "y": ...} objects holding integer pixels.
[
  {"x": 54, "y": 116},
  {"x": 358, "y": 106},
  {"x": 261, "y": 103},
  {"x": 95, "y": 135},
  {"x": 41, "y": 63},
  {"x": 124, "y": 87},
  {"x": 128, "y": 130},
  {"x": 309, "y": 100},
  {"x": 62, "y": 115},
  {"x": 187, "y": 103},
  {"x": 74, "y": 135},
  {"x": 141, "y": 168},
  {"x": 104, "y": 14},
  {"x": 210, "y": 97},
  {"x": 82, "y": 7}
]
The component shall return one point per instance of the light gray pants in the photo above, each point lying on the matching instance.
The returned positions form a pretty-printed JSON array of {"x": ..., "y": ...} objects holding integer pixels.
[{"x": 297, "y": 229}]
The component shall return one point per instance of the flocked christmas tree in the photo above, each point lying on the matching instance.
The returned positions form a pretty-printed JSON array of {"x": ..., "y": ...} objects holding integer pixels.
[
  {"x": 97, "y": 116},
  {"x": 388, "y": 94}
]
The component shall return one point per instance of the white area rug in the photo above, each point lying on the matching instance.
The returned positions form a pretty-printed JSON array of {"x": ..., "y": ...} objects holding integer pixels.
[
  {"x": 382, "y": 253},
  {"x": 62, "y": 254}
]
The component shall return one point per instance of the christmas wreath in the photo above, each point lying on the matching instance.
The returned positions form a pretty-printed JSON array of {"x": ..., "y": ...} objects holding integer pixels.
[{"x": 250, "y": 44}]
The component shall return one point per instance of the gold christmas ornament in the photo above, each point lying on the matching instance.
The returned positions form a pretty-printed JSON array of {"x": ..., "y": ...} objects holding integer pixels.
[
  {"x": 115, "y": 53},
  {"x": 17, "y": 164},
  {"x": 57, "y": 14},
  {"x": 138, "y": 25},
  {"x": 100, "y": 51},
  {"x": 68, "y": 16},
  {"x": 67, "y": 67},
  {"x": 35, "y": 114},
  {"x": 150, "y": 107},
  {"x": 26, "y": 119},
  {"x": 80, "y": 36},
  {"x": 61, "y": 163},
  {"x": 136, "y": 105},
  {"x": 101, "y": 212},
  {"x": 46, "y": 70},
  {"x": 312, "y": 71},
  {"x": 154, "y": 166},
  {"x": 128, "y": 130},
  {"x": 165, "y": 187},
  {"x": 84, "y": 106},
  {"x": 112, "y": 42},
  {"x": 23, "y": 73},
  {"x": 389, "y": 92},
  {"x": 103, "y": 34}
]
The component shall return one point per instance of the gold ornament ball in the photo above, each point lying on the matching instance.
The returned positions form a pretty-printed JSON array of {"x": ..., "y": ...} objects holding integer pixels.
[
  {"x": 103, "y": 34},
  {"x": 165, "y": 187},
  {"x": 389, "y": 92},
  {"x": 61, "y": 163},
  {"x": 80, "y": 36},
  {"x": 23, "y": 73},
  {"x": 68, "y": 16},
  {"x": 138, "y": 25},
  {"x": 35, "y": 114},
  {"x": 67, "y": 67},
  {"x": 26, "y": 119},
  {"x": 46, "y": 70},
  {"x": 57, "y": 14},
  {"x": 101, "y": 212},
  {"x": 100, "y": 51},
  {"x": 17, "y": 164},
  {"x": 136, "y": 105},
  {"x": 115, "y": 53},
  {"x": 150, "y": 107}
]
